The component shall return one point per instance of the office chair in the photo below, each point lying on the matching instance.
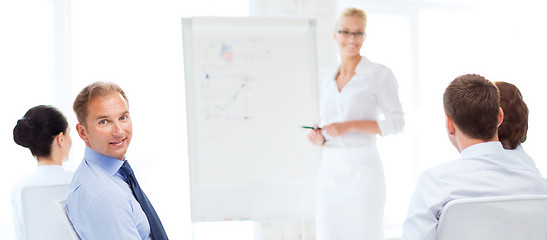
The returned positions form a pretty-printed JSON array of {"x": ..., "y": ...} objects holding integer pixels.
[
  {"x": 61, "y": 205},
  {"x": 40, "y": 216},
  {"x": 500, "y": 218}
]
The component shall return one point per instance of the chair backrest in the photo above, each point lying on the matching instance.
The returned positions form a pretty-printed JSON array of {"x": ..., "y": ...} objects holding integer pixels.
[
  {"x": 501, "y": 217},
  {"x": 41, "y": 218},
  {"x": 61, "y": 205}
]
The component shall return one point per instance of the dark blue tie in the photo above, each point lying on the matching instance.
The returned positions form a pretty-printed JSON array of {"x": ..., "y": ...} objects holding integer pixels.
[{"x": 156, "y": 228}]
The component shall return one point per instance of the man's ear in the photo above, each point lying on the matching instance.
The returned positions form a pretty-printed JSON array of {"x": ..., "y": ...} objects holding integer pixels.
[
  {"x": 82, "y": 132},
  {"x": 500, "y": 117},
  {"x": 450, "y": 127}
]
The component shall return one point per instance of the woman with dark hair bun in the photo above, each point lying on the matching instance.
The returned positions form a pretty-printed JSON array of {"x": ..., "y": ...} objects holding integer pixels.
[
  {"x": 45, "y": 132},
  {"x": 512, "y": 131}
]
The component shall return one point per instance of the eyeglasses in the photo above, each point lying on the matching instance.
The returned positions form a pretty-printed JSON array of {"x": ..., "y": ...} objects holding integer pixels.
[{"x": 347, "y": 34}]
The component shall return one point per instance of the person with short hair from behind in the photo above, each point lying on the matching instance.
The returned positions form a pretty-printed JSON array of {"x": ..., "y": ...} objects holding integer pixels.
[
  {"x": 104, "y": 200},
  {"x": 512, "y": 132},
  {"x": 473, "y": 114},
  {"x": 45, "y": 132}
]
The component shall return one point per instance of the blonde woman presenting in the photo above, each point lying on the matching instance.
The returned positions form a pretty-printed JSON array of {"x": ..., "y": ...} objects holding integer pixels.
[{"x": 350, "y": 183}]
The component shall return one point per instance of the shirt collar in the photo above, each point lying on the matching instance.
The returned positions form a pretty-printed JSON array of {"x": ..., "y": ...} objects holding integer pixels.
[
  {"x": 359, "y": 70},
  {"x": 45, "y": 167},
  {"x": 361, "y": 66},
  {"x": 109, "y": 164},
  {"x": 482, "y": 149}
]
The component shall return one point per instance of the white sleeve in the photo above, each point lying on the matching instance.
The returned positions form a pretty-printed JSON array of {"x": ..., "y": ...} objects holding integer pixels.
[
  {"x": 390, "y": 105},
  {"x": 424, "y": 209}
]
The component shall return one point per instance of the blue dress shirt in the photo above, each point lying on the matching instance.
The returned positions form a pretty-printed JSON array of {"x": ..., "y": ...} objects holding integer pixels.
[{"x": 100, "y": 202}]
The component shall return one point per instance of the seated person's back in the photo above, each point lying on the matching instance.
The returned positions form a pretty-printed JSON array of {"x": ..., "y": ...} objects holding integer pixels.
[
  {"x": 45, "y": 132},
  {"x": 472, "y": 114}
]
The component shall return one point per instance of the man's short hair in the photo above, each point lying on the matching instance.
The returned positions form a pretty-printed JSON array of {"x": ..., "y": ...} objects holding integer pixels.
[
  {"x": 473, "y": 103},
  {"x": 91, "y": 91}
]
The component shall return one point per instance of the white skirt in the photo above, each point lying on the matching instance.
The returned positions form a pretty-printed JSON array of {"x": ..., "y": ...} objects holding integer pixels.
[{"x": 351, "y": 194}]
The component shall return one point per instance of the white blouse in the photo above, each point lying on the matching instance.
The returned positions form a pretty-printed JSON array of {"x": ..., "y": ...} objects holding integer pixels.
[
  {"x": 43, "y": 176},
  {"x": 372, "y": 94}
]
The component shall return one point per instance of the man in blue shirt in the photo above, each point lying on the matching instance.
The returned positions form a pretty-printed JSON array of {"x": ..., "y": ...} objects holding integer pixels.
[{"x": 102, "y": 202}]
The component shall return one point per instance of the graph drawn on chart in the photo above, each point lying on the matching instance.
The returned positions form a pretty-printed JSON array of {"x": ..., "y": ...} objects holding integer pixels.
[
  {"x": 226, "y": 97},
  {"x": 237, "y": 52},
  {"x": 228, "y": 74}
]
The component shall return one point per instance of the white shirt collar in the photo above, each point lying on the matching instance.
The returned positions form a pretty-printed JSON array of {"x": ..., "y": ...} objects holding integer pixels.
[{"x": 482, "y": 149}]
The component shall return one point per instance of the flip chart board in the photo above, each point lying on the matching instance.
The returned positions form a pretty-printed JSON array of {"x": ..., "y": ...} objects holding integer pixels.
[{"x": 250, "y": 84}]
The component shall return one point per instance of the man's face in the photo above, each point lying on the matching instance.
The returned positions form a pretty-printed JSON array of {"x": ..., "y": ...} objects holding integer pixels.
[{"x": 109, "y": 127}]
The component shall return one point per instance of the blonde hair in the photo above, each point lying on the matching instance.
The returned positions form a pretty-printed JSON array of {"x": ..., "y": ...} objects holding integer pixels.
[
  {"x": 353, "y": 12},
  {"x": 91, "y": 91}
]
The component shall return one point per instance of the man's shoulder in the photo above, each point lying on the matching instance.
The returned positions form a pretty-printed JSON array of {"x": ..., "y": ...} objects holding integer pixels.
[
  {"x": 477, "y": 157},
  {"x": 91, "y": 181},
  {"x": 445, "y": 168}
]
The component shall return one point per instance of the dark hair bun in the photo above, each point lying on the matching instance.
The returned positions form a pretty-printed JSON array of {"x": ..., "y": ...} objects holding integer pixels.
[
  {"x": 25, "y": 130},
  {"x": 37, "y": 129}
]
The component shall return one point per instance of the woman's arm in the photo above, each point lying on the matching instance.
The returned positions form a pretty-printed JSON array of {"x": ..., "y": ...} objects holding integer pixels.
[
  {"x": 390, "y": 105},
  {"x": 341, "y": 128}
]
